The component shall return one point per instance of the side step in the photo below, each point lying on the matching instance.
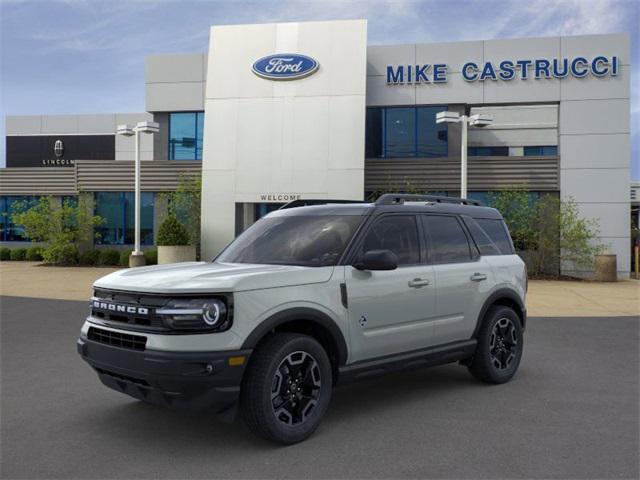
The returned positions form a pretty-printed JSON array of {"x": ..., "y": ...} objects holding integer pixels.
[{"x": 428, "y": 357}]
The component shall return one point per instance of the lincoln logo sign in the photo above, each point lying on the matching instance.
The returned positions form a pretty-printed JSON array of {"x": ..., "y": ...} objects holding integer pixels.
[
  {"x": 285, "y": 66},
  {"x": 58, "y": 148},
  {"x": 505, "y": 70}
]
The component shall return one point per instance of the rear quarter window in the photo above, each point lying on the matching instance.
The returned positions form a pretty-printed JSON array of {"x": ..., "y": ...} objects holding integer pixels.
[{"x": 491, "y": 236}]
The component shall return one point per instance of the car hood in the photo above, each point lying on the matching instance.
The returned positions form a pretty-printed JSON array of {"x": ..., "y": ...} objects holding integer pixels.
[{"x": 197, "y": 277}]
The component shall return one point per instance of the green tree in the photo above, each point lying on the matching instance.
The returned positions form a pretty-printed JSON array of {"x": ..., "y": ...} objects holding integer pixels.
[
  {"x": 579, "y": 242},
  {"x": 518, "y": 211},
  {"x": 184, "y": 203},
  {"x": 548, "y": 231},
  {"x": 62, "y": 227}
]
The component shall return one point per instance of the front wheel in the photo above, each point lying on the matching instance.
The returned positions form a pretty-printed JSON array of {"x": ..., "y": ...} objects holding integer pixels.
[
  {"x": 287, "y": 388},
  {"x": 499, "y": 349}
]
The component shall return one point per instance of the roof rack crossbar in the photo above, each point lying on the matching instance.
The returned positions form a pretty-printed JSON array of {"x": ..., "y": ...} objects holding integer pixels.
[
  {"x": 400, "y": 198},
  {"x": 307, "y": 202}
]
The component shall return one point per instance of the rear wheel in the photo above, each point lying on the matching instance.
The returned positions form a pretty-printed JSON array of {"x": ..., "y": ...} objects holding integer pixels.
[
  {"x": 287, "y": 388},
  {"x": 499, "y": 349}
]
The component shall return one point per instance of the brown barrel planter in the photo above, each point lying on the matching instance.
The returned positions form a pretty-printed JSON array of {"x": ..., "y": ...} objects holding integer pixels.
[{"x": 606, "y": 268}]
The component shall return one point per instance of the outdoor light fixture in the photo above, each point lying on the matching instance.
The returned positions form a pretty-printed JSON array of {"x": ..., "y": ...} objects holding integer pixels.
[
  {"x": 477, "y": 120},
  {"x": 136, "y": 259},
  {"x": 126, "y": 130}
]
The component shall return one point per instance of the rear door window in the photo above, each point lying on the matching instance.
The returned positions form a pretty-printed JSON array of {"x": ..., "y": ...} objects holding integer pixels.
[{"x": 447, "y": 242}]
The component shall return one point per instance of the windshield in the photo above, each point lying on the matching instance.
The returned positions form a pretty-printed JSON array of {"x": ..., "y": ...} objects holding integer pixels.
[{"x": 311, "y": 241}]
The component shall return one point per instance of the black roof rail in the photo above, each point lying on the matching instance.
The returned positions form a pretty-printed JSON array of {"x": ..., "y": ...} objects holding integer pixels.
[
  {"x": 400, "y": 198},
  {"x": 307, "y": 202}
]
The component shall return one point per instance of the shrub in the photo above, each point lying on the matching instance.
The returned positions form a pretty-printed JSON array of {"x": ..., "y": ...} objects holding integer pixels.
[
  {"x": 34, "y": 254},
  {"x": 151, "y": 257},
  {"x": 124, "y": 258},
  {"x": 61, "y": 254},
  {"x": 172, "y": 232},
  {"x": 5, "y": 253},
  {"x": 61, "y": 227},
  {"x": 18, "y": 254},
  {"x": 109, "y": 257},
  {"x": 90, "y": 257}
]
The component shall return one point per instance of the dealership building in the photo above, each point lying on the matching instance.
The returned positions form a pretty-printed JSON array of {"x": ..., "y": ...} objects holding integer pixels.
[{"x": 276, "y": 112}]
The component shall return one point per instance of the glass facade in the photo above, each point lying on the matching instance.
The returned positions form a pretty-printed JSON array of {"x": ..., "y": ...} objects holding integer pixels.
[
  {"x": 185, "y": 135},
  {"x": 10, "y": 232},
  {"x": 117, "y": 211},
  {"x": 544, "y": 151},
  {"x": 405, "y": 132}
]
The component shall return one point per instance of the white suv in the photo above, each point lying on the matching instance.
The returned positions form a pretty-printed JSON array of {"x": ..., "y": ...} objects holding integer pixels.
[{"x": 310, "y": 296}]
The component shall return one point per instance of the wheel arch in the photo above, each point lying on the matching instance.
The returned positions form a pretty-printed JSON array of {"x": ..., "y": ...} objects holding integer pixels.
[
  {"x": 306, "y": 321},
  {"x": 508, "y": 298}
]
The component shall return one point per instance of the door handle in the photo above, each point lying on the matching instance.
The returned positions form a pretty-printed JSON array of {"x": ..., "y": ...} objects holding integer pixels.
[
  {"x": 478, "y": 277},
  {"x": 419, "y": 282}
]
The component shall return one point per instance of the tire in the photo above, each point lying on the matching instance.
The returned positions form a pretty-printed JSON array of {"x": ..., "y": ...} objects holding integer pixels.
[
  {"x": 500, "y": 344},
  {"x": 297, "y": 370}
]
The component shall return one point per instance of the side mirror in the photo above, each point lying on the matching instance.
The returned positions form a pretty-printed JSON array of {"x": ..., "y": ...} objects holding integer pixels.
[{"x": 377, "y": 260}]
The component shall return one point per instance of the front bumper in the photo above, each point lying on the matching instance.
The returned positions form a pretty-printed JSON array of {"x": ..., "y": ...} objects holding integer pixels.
[{"x": 195, "y": 380}]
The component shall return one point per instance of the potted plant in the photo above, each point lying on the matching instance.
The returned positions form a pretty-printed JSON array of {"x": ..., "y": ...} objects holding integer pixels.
[{"x": 173, "y": 242}]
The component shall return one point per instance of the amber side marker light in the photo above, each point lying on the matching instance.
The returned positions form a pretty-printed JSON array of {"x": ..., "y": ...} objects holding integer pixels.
[{"x": 236, "y": 361}]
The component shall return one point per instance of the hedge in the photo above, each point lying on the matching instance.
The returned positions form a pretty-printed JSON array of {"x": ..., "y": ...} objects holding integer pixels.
[
  {"x": 109, "y": 257},
  {"x": 18, "y": 254}
]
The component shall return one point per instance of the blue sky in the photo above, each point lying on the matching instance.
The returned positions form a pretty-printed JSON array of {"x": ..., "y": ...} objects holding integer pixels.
[{"x": 77, "y": 56}]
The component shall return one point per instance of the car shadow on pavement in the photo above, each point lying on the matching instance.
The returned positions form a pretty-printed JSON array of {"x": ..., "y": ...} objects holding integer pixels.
[{"x": 136, "y": 421}]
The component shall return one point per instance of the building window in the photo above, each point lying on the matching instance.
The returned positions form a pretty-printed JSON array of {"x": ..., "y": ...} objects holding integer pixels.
[
  {"x": 545, "y": 151},
  {"x": 405, "y": 132},
  {"x": 10, "y": 232},
  {"x": 185, "y": 135},
  {"x": 488, "y": 151},
  {"x": 118, "y": 214}
]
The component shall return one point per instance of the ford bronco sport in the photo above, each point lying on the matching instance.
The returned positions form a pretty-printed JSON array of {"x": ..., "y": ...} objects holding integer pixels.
[{"x": 308, "y": 297}]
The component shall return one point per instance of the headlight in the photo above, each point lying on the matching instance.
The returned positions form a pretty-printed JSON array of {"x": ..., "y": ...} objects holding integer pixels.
[{"x": 205, "y": 314}]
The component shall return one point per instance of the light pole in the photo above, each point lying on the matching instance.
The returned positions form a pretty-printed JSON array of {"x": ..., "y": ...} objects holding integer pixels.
[
  {"x": 478, "y": 120},
  {"x": 136, "y": 259}
]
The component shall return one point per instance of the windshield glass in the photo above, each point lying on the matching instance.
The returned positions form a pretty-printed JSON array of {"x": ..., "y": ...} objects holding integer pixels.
[{"x": 311, "y": 241}]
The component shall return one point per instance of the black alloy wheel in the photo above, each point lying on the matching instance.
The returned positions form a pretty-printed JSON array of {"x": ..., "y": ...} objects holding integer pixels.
[
  {"x": 295, "y": 389},
  {"x": 504, "y": 343},
  {"x": 500, "y": 346}
]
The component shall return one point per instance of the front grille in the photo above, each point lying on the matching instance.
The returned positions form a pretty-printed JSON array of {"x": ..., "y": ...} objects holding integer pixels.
[
  {"x": 137, "y": 311},
  {"x": 117, "y": 339}
]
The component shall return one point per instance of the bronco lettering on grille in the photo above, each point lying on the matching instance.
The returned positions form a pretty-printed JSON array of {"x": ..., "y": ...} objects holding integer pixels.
[{"x": 113, "y": 307}]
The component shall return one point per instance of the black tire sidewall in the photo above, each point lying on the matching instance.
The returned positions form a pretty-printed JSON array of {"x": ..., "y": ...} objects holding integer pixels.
[
  {"x": 483, "y": 354},
  {"x": 271, "y": 426}
]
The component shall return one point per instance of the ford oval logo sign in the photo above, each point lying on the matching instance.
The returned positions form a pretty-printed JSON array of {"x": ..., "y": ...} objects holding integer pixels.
[{"x": 285, "y": 66}]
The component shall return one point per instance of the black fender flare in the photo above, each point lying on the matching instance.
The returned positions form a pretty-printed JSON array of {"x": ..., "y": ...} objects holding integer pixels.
[
  {"x": 502, "y": 294},
  {"x": 317, "y": 317}
]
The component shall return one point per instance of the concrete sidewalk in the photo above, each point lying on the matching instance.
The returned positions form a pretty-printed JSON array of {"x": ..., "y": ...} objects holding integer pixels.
[{"x": 546, "y": 298}]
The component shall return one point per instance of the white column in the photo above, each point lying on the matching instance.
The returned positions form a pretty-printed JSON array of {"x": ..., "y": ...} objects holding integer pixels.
[
  {"x": 136, "y": 250},
  {"x": 463, "y": 157}
]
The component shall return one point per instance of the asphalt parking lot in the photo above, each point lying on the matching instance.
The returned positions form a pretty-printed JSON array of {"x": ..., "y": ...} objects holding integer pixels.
[{"x": 571, "y": 412}]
